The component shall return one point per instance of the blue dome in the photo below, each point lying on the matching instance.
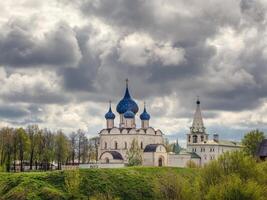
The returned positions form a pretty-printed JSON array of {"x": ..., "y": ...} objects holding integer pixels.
[
  {"x": 128, "y": 114},
  {"x": 127, "y": 103},
  {"x": 144, "y": 115},
  {"x": 110, "y": 114}
]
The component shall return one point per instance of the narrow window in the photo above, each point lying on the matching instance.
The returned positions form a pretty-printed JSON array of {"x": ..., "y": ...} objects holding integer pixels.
[
  {"x": 106, "y": 145},
  {"x": 141, "y": 145},
  {"x": 194, "y": 139},
  {"x": 116, "y": 145}
]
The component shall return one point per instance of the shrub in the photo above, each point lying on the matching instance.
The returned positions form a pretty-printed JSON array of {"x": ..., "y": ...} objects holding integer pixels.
[
  {"x": 103, "y": 196},
  {"x": 233, "y": 188},
  {"x": 172, "y": 186},
  {"x": 191, "y": 164},
  {"x": 72, "y": 183}
]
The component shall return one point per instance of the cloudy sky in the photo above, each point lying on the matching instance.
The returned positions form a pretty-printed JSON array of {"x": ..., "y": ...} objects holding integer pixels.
[{"x": 62, "y": 60}]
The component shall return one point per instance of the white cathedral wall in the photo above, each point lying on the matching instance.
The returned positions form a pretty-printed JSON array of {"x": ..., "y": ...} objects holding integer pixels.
[
  {"x": 209, "y": 152},
  {"x": 181, "y": 160},
  {"x": 152, "y": 158},
  {"x": 148, "y": 159},
  {"x": 126, "y": 137}
]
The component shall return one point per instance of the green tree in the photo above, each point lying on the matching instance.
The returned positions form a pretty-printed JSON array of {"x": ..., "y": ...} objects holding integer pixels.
[
  {"x": 32, "y": 131},
  {"x": 169, "y": 147},
  {"x": 23, "y": 146},
  {"x": 61, "y": 148},
  {"x": 73, "y": 138},
  {"x": 134, "y": 154},
  {"x": 6, "y": 147},
  {"x": 176, "y": 147},
  {"x": 233, "y": 188},
  {"x": 251, "y": 142},
  {"x": 47, "y": 149}
]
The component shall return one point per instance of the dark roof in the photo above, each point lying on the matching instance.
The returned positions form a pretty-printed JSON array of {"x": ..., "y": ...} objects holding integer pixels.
[
  {"x": 116, "y": 155},
  {"x": 263, "y": 148},
  {"x": 151, "y": 147},
  {"x": 194, "y": 155}
]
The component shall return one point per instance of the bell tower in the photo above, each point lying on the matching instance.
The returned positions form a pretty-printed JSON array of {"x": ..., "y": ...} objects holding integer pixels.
[{"x": 197, "y": 130}]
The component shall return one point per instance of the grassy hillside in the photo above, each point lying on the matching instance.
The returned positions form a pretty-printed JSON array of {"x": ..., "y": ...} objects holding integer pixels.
[{"x": 125, "y": 183}]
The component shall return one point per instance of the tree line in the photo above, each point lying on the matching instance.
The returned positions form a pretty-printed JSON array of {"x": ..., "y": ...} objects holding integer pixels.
[{"x": 41, "y": 149}]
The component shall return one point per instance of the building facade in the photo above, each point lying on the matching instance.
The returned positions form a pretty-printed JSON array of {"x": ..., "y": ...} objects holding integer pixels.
[
  {"x": 198, "y": 141},
  {"x": 116, "y": 141}
]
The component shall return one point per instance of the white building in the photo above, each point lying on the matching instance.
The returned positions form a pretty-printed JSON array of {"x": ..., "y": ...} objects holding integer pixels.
[
  {"x": 115, "y": 141},
  {"x": 199, "y": 147}
]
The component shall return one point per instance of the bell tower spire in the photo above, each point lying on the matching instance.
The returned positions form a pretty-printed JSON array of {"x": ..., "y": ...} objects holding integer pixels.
[
  {"x": 197, "y": 130},
  {"x": 198, "y": 125}
]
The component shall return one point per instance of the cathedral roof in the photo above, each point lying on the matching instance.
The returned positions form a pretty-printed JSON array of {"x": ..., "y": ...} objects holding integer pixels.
[
  {"x": 151, "y": 147},
  {"x": 127, "y": 103},
  {"x": 115, "y": 155},
  {"x": 144, "y": 115},
  {"x": 110, "y": 114},
  {"x": 129, "y": 114},
  {"x": 198, "y": 125}
]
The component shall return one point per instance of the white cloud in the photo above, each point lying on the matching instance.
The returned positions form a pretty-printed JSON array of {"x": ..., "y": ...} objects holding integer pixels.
[{"x": 140, "y": 49}]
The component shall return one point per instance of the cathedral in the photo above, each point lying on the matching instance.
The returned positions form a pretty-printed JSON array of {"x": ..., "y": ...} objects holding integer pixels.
[{"x": 115, "y": 141}]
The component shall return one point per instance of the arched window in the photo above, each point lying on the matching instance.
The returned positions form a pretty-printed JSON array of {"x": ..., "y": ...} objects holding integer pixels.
[
  {"x": 194, "y": 138},
  {"x": 141, "y": 145},
  {"x": 125, "y": 145},
  {"x": 189, "y": 138},
  {"x": 115, "y": 145},
  {"x": 106, "y": 145},
  {"x": 202, "y": 138}
]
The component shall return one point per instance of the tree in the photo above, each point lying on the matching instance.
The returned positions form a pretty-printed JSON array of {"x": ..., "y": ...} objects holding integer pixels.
[
  {"x": 167, "y": 144},
  {"x": 32, "y": 131},
  {"x": 23, "y": 145},
  {"x": 61, "y": 148},
  {"x": 73, "y": 137},
  {"x": 176, "y": 147},
  {"x": 47, "y": 150},
  {"x": 251, "y": 142},
  {"x": 233, "y": 188},
  {"x": 134, "y": 154},
  {"x": 15, "y": 149},
  {"x": 85, "y": 150},
  {"x": 39, "y": 140},
  {"x": 93, "y": 148},
  {"x": 6, "y": 147},
  {"x": 81, "y": 139}
]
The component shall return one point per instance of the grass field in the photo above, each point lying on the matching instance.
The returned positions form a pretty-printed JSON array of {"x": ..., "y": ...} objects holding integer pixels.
[{"x": 124, "y": 183}]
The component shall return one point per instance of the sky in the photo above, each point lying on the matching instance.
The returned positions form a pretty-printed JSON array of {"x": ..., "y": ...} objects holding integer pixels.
[{"x": 61, "y": 61}]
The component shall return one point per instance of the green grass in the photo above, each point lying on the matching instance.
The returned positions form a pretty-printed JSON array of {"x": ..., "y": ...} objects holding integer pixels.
[{"x": 125, "y": 183}]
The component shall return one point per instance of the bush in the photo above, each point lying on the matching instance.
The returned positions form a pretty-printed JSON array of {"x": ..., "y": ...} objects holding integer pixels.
[
  {"x": 103, "y": 196},
  {"x": 233, "y": 188},
  {"x": 172, "y": 186},
  {"x": 72, "y": 183},
  {"x": 229, "y": 163},
  {"x": 191, "y": 164},
  {"x": 234, "y": 176}
]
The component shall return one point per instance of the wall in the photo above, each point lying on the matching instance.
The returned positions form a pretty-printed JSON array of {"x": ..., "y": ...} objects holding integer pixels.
[
  {"x": 149, "y": 137},
  {"x": 181, "y": 160},
  {"x": 209, "y": 152},
  {"x": 99, "y": 165}
]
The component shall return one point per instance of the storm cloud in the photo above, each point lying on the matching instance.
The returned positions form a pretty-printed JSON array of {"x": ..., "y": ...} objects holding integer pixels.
[{"x": 70, "y": 58}]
